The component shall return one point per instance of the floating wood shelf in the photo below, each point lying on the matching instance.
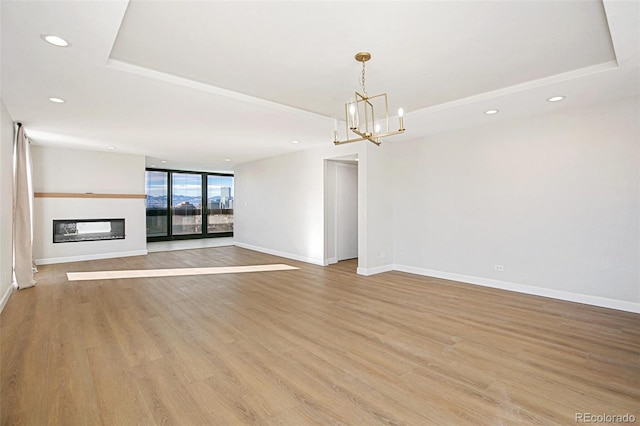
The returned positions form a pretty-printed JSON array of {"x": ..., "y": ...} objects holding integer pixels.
[{"x": 84, "y": 195}]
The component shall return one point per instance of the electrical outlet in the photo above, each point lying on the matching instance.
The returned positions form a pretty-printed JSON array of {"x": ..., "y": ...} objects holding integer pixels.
[
  {"x": 499, "y": 268},
  {"x": 383, "y": 254}
]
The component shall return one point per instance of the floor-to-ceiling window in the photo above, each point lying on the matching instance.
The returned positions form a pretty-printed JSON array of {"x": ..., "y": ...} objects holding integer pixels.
[
  {"x": 220, "y": 203},
  {"x": 157, "y": 190},
  {"x": 184, "y": 204}
]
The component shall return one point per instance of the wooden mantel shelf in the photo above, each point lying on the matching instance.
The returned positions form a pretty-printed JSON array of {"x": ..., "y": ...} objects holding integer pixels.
[{"x": 84, "y": 195}]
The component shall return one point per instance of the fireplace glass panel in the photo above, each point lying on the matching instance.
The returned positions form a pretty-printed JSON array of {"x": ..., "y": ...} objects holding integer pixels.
[{"x": 74, "y": 230}]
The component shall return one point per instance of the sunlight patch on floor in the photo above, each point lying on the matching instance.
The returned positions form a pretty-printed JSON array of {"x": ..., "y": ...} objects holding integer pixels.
[{"x": 148, "y": 273}]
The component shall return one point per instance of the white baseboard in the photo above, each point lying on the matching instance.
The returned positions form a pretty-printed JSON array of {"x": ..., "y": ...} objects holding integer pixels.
[
  {"x": 586, "y": 299},
  {"x": 332, "y": 260},
  {"x": 6, "y": 296},
  {"x": 286, "y": 255},
  {"x": 52, "y": 260},
  {"x": 372, "y": 271}
]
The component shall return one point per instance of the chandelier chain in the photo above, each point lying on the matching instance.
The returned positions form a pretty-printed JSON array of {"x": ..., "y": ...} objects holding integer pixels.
[{"x": 364, "y": 90}]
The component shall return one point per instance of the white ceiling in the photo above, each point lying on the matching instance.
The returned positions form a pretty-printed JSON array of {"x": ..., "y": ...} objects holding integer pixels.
[{"x": 195, "y": 83}]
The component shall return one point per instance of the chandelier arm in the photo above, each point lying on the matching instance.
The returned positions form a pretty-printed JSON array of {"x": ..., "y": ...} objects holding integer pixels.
[
  {"x": 368, "y": 136},
  {"x": 376, "y": 139},
  {"x": 373, "y": 140}
]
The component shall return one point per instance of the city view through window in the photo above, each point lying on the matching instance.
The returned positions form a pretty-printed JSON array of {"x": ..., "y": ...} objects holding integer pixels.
[{"x": 184, "y": 193}]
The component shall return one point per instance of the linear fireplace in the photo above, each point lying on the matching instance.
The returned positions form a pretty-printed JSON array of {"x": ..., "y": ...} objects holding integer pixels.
[{"x": 74, "y": 230}]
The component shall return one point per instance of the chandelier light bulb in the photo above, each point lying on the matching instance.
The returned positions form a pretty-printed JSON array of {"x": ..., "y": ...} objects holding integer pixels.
[
  {"x": 400, "y": 112},
  {"x": 353, "y": 114}
]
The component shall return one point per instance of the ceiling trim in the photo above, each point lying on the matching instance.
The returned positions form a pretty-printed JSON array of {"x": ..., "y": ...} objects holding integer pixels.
[
  {"x": 529, "y": 85},
  {"x": 192, "y": 84},
  {"x": 622, "y": 18}
]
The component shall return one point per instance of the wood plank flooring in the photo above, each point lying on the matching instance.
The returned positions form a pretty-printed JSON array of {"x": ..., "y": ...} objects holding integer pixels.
[{"x": 309, "y": 346}]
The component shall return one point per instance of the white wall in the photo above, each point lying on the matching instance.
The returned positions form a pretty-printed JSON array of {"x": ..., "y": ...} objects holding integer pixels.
[
  {"x": 6, "y": 206},
  {"x": 75, "y": 171},
  {"x": 377, "y": 191},
  {"x": 280, "y": 206},
  {"x": 330, "y": 212},
  {"x": 552, "y": 198}
]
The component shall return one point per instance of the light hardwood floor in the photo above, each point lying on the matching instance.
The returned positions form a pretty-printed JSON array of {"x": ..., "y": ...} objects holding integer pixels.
[{"x": 309, "y": 346}]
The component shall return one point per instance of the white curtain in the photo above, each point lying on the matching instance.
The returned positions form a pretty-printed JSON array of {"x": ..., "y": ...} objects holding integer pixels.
[{"x": 23, "y": 265}]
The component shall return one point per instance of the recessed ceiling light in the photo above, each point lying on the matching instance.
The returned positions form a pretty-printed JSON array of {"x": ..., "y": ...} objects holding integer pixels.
[
  {"x": 153, "y": 165},
  {"x": 491, "y": 111},
  {"x": 555, "y": 99},
  {"x": 295, "y": 142},
  {"x": 55, "y": 40},
  {"x": 227, "y": 159},
  {"x": 111, "y": 148},
  {"x": 57, "y": 100},
  {"x": 163, "y": 161}
]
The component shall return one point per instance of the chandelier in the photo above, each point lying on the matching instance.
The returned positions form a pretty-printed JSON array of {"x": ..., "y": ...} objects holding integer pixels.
[{"x": 367, "y": 116}]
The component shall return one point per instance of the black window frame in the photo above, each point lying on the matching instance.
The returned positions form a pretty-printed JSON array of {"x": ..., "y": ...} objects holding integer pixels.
[{"x": 205, "y": 206}]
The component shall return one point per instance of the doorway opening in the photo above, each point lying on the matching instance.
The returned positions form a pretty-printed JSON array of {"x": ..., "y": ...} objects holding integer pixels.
[{"x": 341, "y": 210}]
